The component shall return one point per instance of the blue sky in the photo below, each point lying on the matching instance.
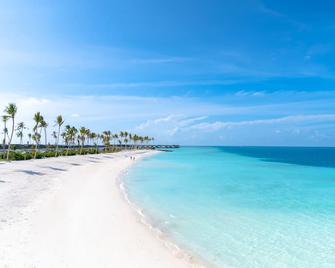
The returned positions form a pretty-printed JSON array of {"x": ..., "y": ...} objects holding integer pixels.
[{"x": 190, "y": 72}]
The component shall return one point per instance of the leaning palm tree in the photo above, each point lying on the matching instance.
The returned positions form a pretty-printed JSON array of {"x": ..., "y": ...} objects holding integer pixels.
[
  {"x": 59, "y": 122},
  {"x": 11, "y": 111},
  {"x": 38, "y": 118},
  {"x": 5, "y": 130},
  {"x": 36, "y": 138}
]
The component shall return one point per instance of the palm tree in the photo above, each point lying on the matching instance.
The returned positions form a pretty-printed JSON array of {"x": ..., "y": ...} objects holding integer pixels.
[
  {"x": 130, "y": 136},
  {"x": 125, "y": 139},
  {"x": 88, "y": 135},
  {"x": 93, "y": 137},
  {"x": 11, "y": 111},
  {"x": 145, "y": 138},
  {"x": 125, "y": 143},
  {"x": 59, "y": 122},
  {"x": 135, "y": 139},
  {"x": 115, "y": 138},
  {"x": 44, "y": 125},
  {"x": 106, "y": 137},
  {"x": 66, "y": 140},
  {"x": 38, "y": 118},
  {"x": 121, "y": 135},
  {"x": 82, "y": 136},
  {"x": 29, "y": 137},
  {"x": 70, "y": 136},
  {"x": 36, "y": 138},
  {"x": 66, "y": 135},
  {"x": 54, "y": 135},
  {"x": 5, "y": 130},
  {"x": 19, "y": 128}
]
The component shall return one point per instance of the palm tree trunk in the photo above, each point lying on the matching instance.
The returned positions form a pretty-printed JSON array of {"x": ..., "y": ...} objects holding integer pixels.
[
  {"x": 4, "y": 136},
  {"x": 10, "y": 140},
  {"x": 45, "y": 137},
  {"x": 57, "y": 141},
  {"x": 81, "y": 147},
  {"x": 36, "y": 149}
]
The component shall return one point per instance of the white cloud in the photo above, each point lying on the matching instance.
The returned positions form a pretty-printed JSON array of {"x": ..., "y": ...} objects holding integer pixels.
[
  {"x": 31, "y": 101},
  {"x": 151, "y": 123},
  {"x": 244, "y": 93},
  {"x": 287, "y": 119},
  {"x": 170, "y": 125}
]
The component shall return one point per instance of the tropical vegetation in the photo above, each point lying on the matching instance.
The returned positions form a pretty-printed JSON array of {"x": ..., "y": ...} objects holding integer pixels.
[{"x": 68, "y": 140}]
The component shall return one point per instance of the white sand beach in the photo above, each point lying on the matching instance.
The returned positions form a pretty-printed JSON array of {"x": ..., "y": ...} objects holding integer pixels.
[{"x": 70, "y": 212}]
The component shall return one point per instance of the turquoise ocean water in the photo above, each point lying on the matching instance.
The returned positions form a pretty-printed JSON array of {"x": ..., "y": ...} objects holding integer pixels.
[{"x": 243, "y": 207}]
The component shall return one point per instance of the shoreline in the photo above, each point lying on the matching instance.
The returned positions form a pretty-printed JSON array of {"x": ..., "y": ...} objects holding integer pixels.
[
  {"x": 55, "y": 214},
  {"x": 146, "y": 220}
]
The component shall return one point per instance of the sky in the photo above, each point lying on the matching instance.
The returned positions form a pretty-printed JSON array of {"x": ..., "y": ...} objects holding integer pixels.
[{"x": 205, "y": 72}]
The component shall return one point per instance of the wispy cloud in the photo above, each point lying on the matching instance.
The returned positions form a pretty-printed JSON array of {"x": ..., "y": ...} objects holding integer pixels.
[
  {"x": 180, "y": 120},
  {"x": 83, "y": 58},
  {"x": 164, "y": 83},
  {"x": 287, "y": 119},
  {"x": 170, "y": 125},
  {"x": 250, "y": 93},
  {"x": 274, "y": 13},
  {"x": 160, "y": 60}
]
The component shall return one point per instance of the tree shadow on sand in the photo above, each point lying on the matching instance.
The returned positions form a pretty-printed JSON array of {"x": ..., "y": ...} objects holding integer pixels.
[
  {"x": 92, "y": 157},
  {"x": 93, "y": 161},
  {"x": 31, "y": 172},
  {"x": 56, "y": 169}
]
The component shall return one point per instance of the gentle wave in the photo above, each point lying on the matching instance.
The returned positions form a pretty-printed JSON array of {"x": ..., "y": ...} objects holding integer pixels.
[{"x": 158, "y": 233}]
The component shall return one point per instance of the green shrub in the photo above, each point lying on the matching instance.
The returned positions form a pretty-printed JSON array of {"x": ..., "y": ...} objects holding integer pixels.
[
  {"x": 28, "y": 156},
  {"x": 70, "y": 152},
  {"x": 50, "y": 154}
]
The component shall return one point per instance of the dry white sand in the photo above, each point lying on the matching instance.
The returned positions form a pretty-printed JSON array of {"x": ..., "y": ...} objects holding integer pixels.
[{"x": 70, "y": 212}]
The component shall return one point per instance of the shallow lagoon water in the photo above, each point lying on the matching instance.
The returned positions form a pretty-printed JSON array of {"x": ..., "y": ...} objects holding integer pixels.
[{"x": 243, "y": 207}]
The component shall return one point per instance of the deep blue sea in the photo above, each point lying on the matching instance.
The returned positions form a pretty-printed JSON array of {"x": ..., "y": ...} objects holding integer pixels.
[{"x": 243, "y": 207}]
